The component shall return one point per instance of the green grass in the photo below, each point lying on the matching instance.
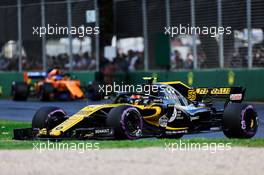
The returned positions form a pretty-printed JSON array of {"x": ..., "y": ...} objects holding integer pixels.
[{"x": 6, "y": 142}]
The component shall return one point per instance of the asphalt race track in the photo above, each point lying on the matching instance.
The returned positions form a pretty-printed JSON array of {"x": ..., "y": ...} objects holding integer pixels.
[{"x": 24, "y": 111}]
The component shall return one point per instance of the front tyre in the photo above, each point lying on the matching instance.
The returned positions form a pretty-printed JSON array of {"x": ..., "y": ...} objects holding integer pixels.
[
  {"x": 240, "y": 121},
  {"x": 126, "y": 121},
  {"x": 46, "y": 91},
  {"x": 48, "y": 117}
]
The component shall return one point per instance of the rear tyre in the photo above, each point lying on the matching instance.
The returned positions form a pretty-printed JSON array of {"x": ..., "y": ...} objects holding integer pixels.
[
  {"x": 240, "y": 121},
  {"x": 19, "y": 91},
  {"x": 48, "y": 117},
  {"x": 126, "y": 121},
  {"x": 46, "y": 91}
]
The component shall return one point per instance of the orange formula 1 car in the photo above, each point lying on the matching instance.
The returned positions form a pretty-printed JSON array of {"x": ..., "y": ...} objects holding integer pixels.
[{"x": 47, "y": 86}]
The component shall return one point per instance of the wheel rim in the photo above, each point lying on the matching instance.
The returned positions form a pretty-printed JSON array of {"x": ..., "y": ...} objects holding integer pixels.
[
  {"x": 249, "y": 122},
  {"x": 132, "y": 123}
]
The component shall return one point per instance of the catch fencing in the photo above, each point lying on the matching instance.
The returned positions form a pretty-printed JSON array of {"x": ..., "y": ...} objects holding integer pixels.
[{"x": 227, "y": 34}]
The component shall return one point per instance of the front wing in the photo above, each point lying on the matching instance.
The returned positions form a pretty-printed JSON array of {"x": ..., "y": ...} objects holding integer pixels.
[{"x": 80, "y": 133}]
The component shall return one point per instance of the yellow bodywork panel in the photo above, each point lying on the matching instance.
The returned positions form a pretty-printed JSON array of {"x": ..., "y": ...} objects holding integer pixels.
[
  {"x": 154, "y": 118},
  {"x": 175, "y": 82},
  {"x": 79, "y": 116}
]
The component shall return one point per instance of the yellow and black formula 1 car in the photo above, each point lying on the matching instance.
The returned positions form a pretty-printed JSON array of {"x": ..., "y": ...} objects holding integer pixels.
[{"x": 170, "y": 111}]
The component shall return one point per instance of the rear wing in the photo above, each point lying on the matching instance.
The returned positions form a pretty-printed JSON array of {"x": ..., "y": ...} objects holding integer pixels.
[
  {"x": 235, "y": 94},
  {"x": 29, "y": 76}
]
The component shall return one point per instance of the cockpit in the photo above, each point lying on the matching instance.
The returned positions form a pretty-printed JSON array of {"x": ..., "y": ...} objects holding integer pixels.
[{"x": 163, "y": 92}]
